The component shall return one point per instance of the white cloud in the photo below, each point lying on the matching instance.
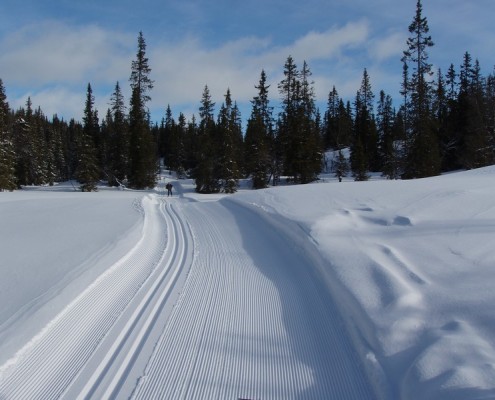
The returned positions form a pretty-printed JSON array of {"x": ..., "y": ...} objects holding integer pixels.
[
  {"x": 323, "y": 45},
  {"x": 52, "y": 52},
  {"x": 57, "y": 100},
  {"x": 53, "y": 62},
  {"x": 181, "y": 70},
  {"x": 389, "y": 46}
]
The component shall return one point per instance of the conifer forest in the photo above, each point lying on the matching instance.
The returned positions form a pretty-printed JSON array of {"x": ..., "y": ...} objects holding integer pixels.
[{"x": 442, "y": 120}]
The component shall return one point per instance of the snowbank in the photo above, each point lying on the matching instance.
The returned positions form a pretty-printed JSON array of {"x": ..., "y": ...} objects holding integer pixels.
[{"x": 411, "y": 265}]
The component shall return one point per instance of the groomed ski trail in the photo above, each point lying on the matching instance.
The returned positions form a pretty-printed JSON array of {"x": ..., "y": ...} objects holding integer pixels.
[
  {"x": 252, "y": 322},
  {"x": 89, "y": 349},
  {"x": 211, "y": 303}
]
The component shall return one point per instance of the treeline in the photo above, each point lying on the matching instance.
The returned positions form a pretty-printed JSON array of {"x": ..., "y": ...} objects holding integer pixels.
[{"x": 445, "y": 122}]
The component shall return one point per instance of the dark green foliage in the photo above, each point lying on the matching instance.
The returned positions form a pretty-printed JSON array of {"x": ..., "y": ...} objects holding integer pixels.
[
  {"x": 444, "y": 123},
  {"x": 423, "y": 155},
  {"x": 88, "y": 171},
  {"x": 228, "y": 130},
  {"x": 117, "y": 138},
  {"x": 364, "y": 145},
  {"x": 142, "y": 154},
  {"x": 259, "y": 159},
  {"x": 337, "y": 123},
  {"x": 341, "y": 166},
  {"x": 7, "y": 152},
  {"x": 298, "y": 132},
  {"x": 389, "y": 155},
  {"x": 206, "y": 172}
]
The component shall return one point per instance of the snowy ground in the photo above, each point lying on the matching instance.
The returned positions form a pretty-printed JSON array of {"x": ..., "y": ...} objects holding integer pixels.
[{"x": 369, "y": 290}]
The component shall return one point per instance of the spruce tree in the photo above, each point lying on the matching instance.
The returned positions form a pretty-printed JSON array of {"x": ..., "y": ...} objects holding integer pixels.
[
  {"x": 423, "y": 158},
  {"x": 181, "y": 157},
  {"x": 475, "y": 148},
  {"x": 388, "y": 149},
  {"x": 259, "y": 137},
  {"x": 142, "y": 152},
  {"x": 88, "y": 172},
  {"x": 118, "y": 139},
  {"x": 206, "y": 173},
  {"x": 7, "y": 152},
  {"x": 29, "y": 144},
  {"x": 364, "y": 146},
  {"x": 331, "y": 133},
  {"x": 341, "y": 166},
  {"x": 227, "y": 129},
  {"x": 167, "y": 140},
  {"x": 298, "y": 134}
]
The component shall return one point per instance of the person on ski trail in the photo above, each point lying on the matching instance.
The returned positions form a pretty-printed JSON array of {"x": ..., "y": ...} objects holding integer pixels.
[{"x": 169, "y": 187}]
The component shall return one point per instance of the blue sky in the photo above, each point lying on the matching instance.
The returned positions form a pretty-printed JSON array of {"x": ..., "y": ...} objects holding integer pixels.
[{"x": 50, "y": 50}]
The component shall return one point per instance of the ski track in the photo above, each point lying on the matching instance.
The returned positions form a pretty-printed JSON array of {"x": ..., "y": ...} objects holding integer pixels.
[
  {"x": 248, "y": 328},
  {"x": 46, "y": 367},
  {"x": 250, "y": 322}
]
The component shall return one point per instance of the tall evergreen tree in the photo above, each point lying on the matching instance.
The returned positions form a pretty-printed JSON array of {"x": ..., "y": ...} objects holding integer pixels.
[
  {"x": 476, "y": 149},
  {"x": 143, "y": 163},
  {"x": 228, "y": 129},
  {"x": 388, "y": 148},
  {"x": 364, "y": 146},
  {"x": 181, "y": 156},
  {"x": 298, "y": 134},
  {"x": 7, "y": 151},
  {"x": 206, "y": 173},
  {"x": 88, "y": 172},
  {"x": 331, "y": 135},
  {"x": 423, "y": 158},
  {"x": 118, "y": 139},
  {"x": 167, "y": 141},
  {"x": 259, "y": 135},
  {"x": 57, "y": 140},
  {"x": 30, "y": 146}
]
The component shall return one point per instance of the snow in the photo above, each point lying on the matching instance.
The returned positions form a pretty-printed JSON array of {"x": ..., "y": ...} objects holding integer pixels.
[{"x": 352, "y": 290}]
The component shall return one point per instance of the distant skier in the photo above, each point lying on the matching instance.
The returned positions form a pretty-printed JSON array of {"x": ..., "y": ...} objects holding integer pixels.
[{"x": 169, "y": 187}]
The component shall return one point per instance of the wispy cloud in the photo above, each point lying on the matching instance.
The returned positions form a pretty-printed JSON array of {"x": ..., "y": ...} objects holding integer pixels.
[
  {"x": 53, "y": 62},
  {"x": 52, "y": 52},
  {"x": 184, "y": 68},
  {"x": 389, "y": 46}
]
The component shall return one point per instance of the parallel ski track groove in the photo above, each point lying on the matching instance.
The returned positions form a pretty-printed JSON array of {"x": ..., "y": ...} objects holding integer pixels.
[
  {"x": 177, "y": 262},
  {"x": 241, "y": 341},
  {"x": 47, "y": 365}
]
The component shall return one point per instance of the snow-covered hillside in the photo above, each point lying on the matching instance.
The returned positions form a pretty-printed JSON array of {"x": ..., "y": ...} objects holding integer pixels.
[{"x": 352, "y": 290}]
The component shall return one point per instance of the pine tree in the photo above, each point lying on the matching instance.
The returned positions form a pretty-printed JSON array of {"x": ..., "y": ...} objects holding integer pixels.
[
  {"x": 7, "y": 152},
  {"x": 142, "y": 159},
  {"x": 423, "y": 158}
]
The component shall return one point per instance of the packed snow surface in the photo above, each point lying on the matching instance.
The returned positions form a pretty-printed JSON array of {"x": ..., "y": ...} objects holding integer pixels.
[{"x": 351, "y": 290}]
